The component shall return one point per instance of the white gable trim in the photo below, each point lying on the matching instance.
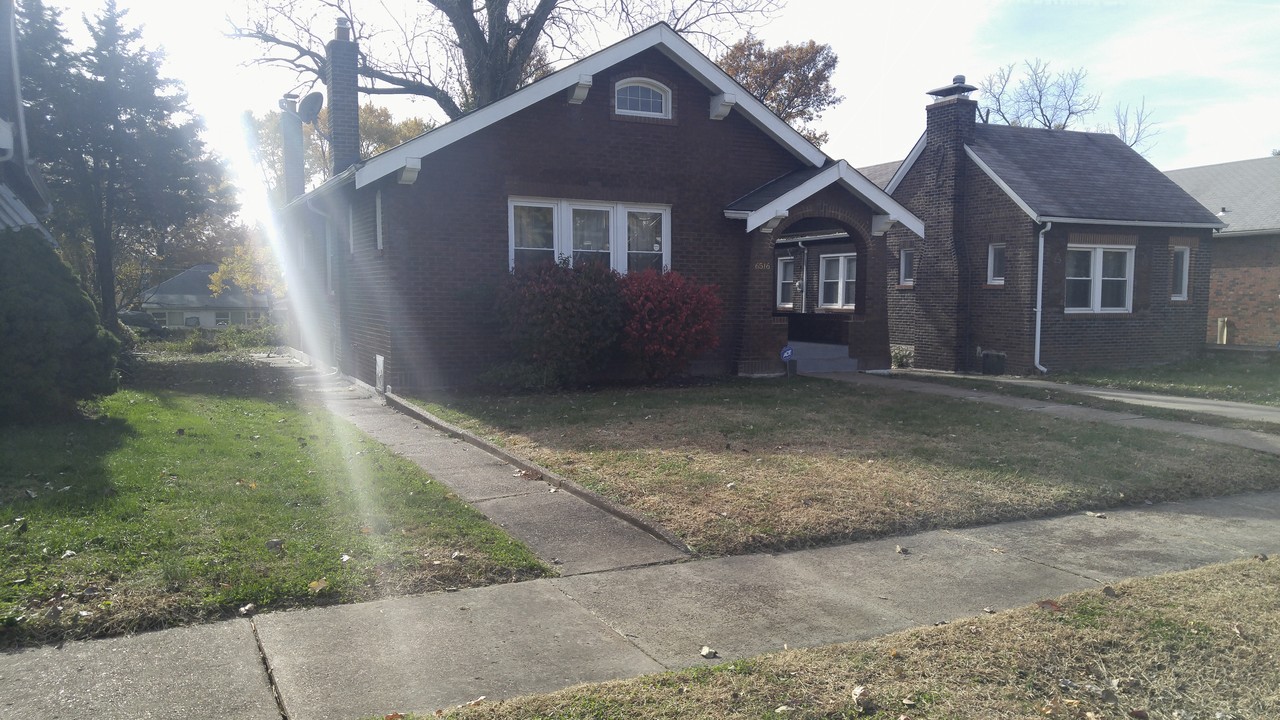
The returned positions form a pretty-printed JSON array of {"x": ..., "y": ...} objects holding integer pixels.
[
  {"x": 1002, "y": 184},
  {"x": 1026, "y": 208},
  {"x": 853, "y": 181},
  {"x": 659, "y": 36},
  {"x": 905, "y": 167}
]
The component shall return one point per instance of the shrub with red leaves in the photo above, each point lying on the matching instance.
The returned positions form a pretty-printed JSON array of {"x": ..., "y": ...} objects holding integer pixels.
[{"x": 670, "y": 320}]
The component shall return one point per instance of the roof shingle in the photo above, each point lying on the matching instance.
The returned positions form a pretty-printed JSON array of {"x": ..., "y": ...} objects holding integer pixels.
[
  {"x": 1082, "y": 175},
  {"x": 1248, "y": 189}
]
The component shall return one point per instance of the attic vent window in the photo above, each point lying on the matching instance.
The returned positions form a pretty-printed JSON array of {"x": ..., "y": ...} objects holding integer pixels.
[{"x": 642, "y": 98}]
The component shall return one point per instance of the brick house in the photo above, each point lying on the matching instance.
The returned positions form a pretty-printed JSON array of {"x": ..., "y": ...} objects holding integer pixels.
[
  {"x": 1045, "y": 249},
  {"x": 644, "y": 154},
  {"x": 1244, "y": 280}
]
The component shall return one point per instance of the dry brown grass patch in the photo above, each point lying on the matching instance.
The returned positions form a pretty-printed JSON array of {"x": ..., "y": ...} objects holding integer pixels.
[{"x": 744, "y": 466}]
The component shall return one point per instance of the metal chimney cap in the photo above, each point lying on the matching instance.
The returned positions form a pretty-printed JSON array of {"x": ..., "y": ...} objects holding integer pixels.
[
  {"x": 342, "y": 29},
  {"x": 957, "y": 87}
]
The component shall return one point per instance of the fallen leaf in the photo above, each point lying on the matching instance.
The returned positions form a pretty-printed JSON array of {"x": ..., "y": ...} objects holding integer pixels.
[
  {"x": 394, "y": 716},
  {"x": 781, "y": 709},
  {"x": 475, "y": 702},
  {"x": 1109, "y": 591},
  {"x": 275, "y": 545},
  {"x": 1050, "y": 605},
  {"x": 31, "y": 493},
  {"x": 1099, "y": 515},
  {"x": 458, "y": 556},
  {"x": 365, "y": 530},
  {"x": 1260, "y": 557},
  {"x": 1109, "y": 696},
  {"x": 909, "y": 701},
  {"x": 901, "y": 550},
  {"x": 707, "y": 652},
  {"x": 345, "y": 557},
  {"x": 1139, "y": 714},
  {"x": 68, "y": 554},
  {"x": 988, "y": 611},
  {"x": 247, "y": 610},
  {"x": 181, "y": 432},
  {"x": 318, "y": 585}
]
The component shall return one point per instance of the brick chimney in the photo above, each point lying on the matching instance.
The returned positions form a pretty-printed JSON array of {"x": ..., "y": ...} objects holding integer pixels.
[
  {"x": 942, "y": 296},
  {"x": 344, "y": 106}
]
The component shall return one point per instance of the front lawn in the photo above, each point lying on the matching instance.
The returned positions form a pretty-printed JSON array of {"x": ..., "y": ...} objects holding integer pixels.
[
  {"x": 206, "y": 486},
  {"x": 1196, "y": 645},
  {"x": 1219, "y": 375},
  {"x": 741, "y": 466}
]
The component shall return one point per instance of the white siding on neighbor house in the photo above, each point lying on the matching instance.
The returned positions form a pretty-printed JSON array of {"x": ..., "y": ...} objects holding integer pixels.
[{"x": 215, "y": 319}]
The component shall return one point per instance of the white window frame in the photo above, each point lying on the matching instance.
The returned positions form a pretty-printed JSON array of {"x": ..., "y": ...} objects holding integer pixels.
[
  {"x": 1095, "y": 277},
  {"x": 562, "y": 228},
  {"x": 992, "y": 278},
  {"x": 779, "y": 283},
  {"x": 654, "y": 85},
  {"x": 1185, "y": 252},
  {"x": 222, "y": 318},
  {"x": 906, "y": 266},
  {"x": 842, "y": 302}
]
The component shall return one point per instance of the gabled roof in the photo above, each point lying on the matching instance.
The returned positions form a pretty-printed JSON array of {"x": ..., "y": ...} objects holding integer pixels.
[
  {"x": 660, "y": 37},
  {"x": 1082, "y": 177},
  {"x": 881, "y": 174},
  {"x": 1248, "y": 192},
  {"x": 774, "y": 199},
  {"x": 190, "y": 289}
]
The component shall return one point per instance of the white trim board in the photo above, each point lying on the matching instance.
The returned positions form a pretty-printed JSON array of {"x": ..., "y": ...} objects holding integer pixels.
[
  {"x": 852, "y": 180},
  {"x": 659, "y": 36}
]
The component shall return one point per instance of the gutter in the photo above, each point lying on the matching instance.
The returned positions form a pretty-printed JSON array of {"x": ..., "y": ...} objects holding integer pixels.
[{"x": 1040, "y": 296}]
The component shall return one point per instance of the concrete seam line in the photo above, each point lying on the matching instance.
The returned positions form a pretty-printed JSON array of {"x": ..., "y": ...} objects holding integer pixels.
[
  {"x": 629, "y": 639},
  {"x": 408, "y": 408},
  {"x": 271, "y": 676}
]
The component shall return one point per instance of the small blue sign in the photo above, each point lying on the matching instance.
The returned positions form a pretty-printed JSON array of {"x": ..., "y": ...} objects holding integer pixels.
[{"x": 787, "y": 352}]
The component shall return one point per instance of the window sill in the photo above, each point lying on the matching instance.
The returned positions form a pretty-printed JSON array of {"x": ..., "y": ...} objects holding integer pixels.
[
  {"x": 905, "y": 286},
  {"x": 837, "y": 310},
  {"x": 993, "y": 286},
  {"x": 1095, "y": 314}
]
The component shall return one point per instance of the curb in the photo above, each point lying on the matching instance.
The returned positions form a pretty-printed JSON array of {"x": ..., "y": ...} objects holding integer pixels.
[{"x": 407, "y": 407}]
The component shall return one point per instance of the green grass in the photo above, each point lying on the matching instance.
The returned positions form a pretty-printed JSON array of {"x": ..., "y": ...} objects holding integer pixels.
[
  {"x": 163, "y": 508},
  {"x": 742, "y": 466},
  {"x": 1219, "y": 375},
  {"x": 1200, "y": 644}
]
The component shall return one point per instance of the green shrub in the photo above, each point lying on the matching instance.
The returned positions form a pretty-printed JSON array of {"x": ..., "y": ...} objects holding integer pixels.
[
  {"x": 902, "y": 356},
  {"x": 53, "y": 350},
  {"x": 248, "y": 337},
  {"x": 562, "y": 323}
]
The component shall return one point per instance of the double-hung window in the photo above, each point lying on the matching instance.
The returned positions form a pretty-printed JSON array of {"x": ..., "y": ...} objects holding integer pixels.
[
  {"x": 838, "y": 280},
  {"x": 786, "y": 282},
  {"x": 1181, "y": 266},
  {"x": 906, "y": 267},
  {"x": 621, "y": 236},
  {"x": 1099, "y": 279},
  {"x": 995, "y": 264}
]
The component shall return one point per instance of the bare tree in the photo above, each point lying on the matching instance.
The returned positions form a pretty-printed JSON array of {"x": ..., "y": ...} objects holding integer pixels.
[
  {"x": 1037, "y": 97},
  {"x": 1034, "y": 96},
  {"x": 464, "y": 54}
]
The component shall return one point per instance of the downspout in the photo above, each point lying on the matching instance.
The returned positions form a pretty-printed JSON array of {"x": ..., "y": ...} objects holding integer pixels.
[
  {"x": 1040, "y": 296},
  {"x": 804, "y": 278}
]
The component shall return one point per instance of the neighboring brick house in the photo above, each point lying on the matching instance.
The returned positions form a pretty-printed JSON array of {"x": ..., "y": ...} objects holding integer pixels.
[
  {"x": 1244, "y": 281},
  {"x": 642, "y": 155},
  {"x": 1045, "y": 249}
]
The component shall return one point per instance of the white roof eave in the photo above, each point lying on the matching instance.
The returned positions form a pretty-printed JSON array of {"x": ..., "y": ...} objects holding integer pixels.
[
  {"x": 659, "y": 36},
  {"x": 853, "y": 181}
]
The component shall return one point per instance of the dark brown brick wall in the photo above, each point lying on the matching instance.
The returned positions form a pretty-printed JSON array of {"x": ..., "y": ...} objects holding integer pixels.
[
  {"x": 446, "y": 236},
  {"x": 868, "y": 324},
  {"x": 1244, "y": 287},
  {"x": 1159, "y": 330}
]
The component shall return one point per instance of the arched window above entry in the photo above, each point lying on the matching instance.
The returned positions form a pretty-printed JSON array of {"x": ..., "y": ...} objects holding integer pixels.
[{"x": 642, "y": 97}]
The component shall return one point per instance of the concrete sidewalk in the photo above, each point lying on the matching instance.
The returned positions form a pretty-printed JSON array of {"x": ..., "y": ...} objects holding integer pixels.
[
  {"x": 1253, "y": 440},
  {"x": 1221, "y": 408},
  {"x": 621, "y": 607},
  {"x": 427, "y": 652}
]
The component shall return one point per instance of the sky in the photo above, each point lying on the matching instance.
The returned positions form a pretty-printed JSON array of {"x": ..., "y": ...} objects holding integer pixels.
[{"x": 1208, "y": 71}]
